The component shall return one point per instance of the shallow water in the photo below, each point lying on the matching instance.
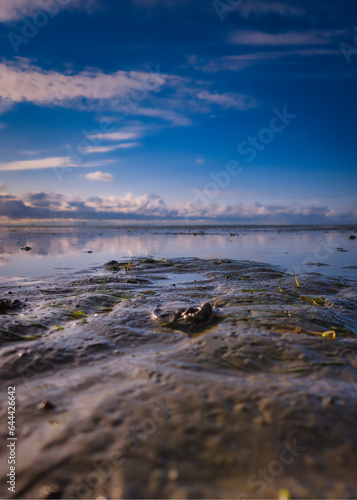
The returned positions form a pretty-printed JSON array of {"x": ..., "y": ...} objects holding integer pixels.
[
  {"x": 148, "y": 404},
  {"x": 68, "y": 249}
]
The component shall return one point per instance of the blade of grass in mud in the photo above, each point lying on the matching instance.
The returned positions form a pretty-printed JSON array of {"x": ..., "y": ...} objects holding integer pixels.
[{"x": 296, "y": 280}]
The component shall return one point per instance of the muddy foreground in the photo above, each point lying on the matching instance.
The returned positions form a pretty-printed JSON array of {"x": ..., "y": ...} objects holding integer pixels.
[{"x": 145, "y": 395}]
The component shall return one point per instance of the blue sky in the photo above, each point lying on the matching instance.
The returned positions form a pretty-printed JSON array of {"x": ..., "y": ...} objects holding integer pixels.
[{"x": 232, "y": 111}]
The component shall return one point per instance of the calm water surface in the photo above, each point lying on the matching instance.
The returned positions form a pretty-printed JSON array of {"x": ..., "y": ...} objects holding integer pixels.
[{"x": 71, "y": 249}]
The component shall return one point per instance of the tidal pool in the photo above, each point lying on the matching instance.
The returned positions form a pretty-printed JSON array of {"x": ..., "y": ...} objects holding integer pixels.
[{"x": 327, "y": 250}]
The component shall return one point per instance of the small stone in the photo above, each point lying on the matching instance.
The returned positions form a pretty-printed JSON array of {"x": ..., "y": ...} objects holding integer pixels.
[
  {"x": 173, "y": 475},
  {"x": 50, "y": 492},
  {"x": 46, "y": 405}
]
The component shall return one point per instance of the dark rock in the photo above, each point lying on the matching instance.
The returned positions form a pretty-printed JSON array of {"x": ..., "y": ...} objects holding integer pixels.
[
  {"x": 190, "y": 320},
  {"x": 7, "y": 305},
  {"x": 113, "y": 265}
]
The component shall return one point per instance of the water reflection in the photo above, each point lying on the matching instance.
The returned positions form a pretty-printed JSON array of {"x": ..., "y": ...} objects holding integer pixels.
[{"x": 77, "y": 248}]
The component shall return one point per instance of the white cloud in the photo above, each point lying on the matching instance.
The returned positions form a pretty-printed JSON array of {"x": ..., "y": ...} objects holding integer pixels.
[
  {"x": 152, "y": 207},
  {"x": 41, "y": 163},
  {"x": 13, "y": 10},
  {"x": 108, "y": 149},
  {"x": 22, "y": 82},
  {"x": 100, "y": 176},
  {"x": 199, "y": 160},
  {"x": 269, "y": 213},
  {"x": 34, "y": 164}
]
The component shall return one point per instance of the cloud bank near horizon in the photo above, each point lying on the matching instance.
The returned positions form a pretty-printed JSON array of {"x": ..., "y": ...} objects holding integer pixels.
[{"x": 152, "y": 208}]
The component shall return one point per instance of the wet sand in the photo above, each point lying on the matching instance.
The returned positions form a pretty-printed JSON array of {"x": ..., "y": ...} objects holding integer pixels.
[{"x": 145, "y": 396}]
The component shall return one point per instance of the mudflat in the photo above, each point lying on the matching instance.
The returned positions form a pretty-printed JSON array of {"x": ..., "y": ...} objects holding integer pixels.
[{"x": 182, "y": 378}]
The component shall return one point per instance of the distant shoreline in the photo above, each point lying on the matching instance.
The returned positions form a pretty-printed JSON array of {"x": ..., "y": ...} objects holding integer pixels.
[{"x": 348, "y": 227}]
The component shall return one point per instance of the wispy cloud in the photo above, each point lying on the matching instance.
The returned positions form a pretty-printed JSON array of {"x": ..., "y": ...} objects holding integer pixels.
[
  {"x": 2, "y": 187},
  {"x": 164, "y": 114},
  {"x": 16, "y": 9},
  {"x": 173, "y": 99},
  {"x": 245, "y": 8},
  {"x": 153, "y": 3},
  {"x": 29, "y": 152},
  {"x": 34, "y": 164},
  {"x": 100, "y": 176},
  {"x": 228, "y": 100},
  {"x": 266, "y": 7},
  {"x": 116, "y": 136},
  {"x": 243, "y": 61},
  {"x": 41, "y": 163},
  {"x": 108, "y": 149},
  {"x": 292, "y": 38}
]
